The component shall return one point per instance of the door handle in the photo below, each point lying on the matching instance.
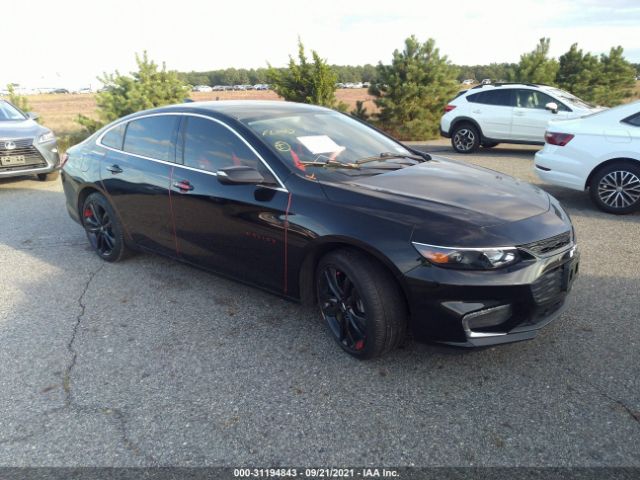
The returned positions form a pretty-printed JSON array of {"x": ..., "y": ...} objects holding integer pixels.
[
  {"x": 477, "y": 111},
  {"x": 183, "y": 185},
  {"x": 115, "y": 169},
  {"x": 518, "y": 113}
]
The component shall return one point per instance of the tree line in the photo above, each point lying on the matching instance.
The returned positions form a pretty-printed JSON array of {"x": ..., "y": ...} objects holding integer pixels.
[{"x": 410, "y": 91}]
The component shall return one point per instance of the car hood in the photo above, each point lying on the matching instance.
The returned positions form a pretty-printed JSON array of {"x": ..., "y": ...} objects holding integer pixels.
[
  {"x": 471, "y": 194},
  {"x": 20, "y": 129}
]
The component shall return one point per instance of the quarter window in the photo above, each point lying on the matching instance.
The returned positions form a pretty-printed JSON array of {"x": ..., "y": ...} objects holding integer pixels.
[
  {"x": 114, "y": 137},
  {"x": 152, "y": 137},
  {"x": 210, "y": 146},
  {"x": 633, "y": 120}
]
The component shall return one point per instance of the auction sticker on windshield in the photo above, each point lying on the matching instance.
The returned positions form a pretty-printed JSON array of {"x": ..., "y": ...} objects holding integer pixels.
[{"x": 320, "y": 144}]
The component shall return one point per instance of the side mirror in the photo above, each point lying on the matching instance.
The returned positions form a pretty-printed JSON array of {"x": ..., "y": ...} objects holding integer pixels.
[
  {"x": 239, "y": 175},
  {"x": 552, "y": 107},
  {"x": 33, "y": 115}
]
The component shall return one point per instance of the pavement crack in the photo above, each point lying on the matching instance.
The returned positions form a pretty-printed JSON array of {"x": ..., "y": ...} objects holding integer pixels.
[{"x": 66, "y": 378}]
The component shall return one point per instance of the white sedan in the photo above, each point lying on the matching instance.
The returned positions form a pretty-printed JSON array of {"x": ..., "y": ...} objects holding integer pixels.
[{"x": 599, "y": 152}]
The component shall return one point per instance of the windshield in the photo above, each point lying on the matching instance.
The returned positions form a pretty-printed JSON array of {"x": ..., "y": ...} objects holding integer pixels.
[
  {"x": 570, "y": 98},
  {"x": 307, "y": 141},
  {"x": 8, "y": 112}
]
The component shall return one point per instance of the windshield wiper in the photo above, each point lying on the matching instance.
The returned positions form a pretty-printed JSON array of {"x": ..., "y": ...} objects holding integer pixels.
[
  {"x": 390, "y": 155},
  {"x": 330, "y": 164}
]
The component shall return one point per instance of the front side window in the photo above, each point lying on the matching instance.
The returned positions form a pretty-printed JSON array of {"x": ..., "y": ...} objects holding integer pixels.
[
  {"x": 152, "y": 137},
  {"x": 535, "y": 99},
  {"x": 211, "y": 146}
]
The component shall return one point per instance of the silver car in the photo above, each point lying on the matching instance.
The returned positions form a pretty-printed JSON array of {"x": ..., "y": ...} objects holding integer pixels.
[{"x": 26, "y": 148}]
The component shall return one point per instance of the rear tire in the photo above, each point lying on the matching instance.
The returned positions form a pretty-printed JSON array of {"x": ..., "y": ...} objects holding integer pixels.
[
  {"x": 465, "y": 138},
  {"x": 103, "y": 228},
  {"x": 361, "y": 302},
  {"x": 615, "y": 188},
  {"x": 48, "y": 177}
]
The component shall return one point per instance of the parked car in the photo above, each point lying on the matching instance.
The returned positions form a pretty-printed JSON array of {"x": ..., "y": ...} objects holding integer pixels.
[
  {"x": 26, "y": 148},
  {"x": 85, "y": 90},
  {"x": 469, "y": 81},
  {"x": 486, "y": 81},
  {"x": 261, "y": 86},
  {"x": 316, "y": 206},
  {"x": 486, "y": 115},
  {"x": 599, "y": 152},
  {"x": 60, "y": 90},
  {"x": 202, "y": 88}
]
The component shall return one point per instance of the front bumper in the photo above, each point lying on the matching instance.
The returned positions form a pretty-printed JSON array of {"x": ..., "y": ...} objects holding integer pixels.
[
  {"x": 514, "y": 303},
  {"x": 39, "y": 158}
]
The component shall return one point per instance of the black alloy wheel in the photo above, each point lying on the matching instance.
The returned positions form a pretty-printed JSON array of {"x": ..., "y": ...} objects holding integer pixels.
[
  {"x": 361, "y": 303},
  {"x": 103, "y": 228}
]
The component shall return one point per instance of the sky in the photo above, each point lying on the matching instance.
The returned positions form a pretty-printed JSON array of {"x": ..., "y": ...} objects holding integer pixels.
[{"x": 67, "y": 43}]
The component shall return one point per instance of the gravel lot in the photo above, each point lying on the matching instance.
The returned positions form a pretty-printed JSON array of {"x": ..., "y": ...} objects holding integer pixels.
[{"x": 149, "y": 362}]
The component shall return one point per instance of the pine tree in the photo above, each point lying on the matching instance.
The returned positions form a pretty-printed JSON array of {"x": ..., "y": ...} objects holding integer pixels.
[
  {"x": 413, "y": 90},
  {"x": 536, "y": 66},
  {"x": 579, "y": 73},
  {"x": 617, "y": 78},
  {"x": 306, "y": 82},
  {"x": 124, "y": 94},
  {"x": 16, "y": 99}
]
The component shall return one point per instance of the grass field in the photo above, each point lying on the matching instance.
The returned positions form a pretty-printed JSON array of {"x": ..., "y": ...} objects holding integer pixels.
[{"x": 59, "y": 112}]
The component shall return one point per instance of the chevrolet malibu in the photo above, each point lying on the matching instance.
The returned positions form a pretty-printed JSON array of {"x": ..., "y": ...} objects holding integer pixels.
[
  {"x": 318, "y": 207},
  {"x": 26, "y": 148}
]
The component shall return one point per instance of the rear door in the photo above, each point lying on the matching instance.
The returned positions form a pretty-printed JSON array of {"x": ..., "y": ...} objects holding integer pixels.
[
  {"x": 530, "y": 118},
  {"x": 492, "y": 110},
  {"x": 136, "y": 174},
  {"x": 234, "y": 229}
]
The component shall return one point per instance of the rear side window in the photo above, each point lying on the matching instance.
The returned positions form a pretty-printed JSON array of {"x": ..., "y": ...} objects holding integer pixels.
[
  {"x": 114, "y": 137},
  {"x": 152, "y": 137},
  {"x": 501, "y": 98},
  {"x": 210, "y": 146},
  {"x": 633, "y": 120}
]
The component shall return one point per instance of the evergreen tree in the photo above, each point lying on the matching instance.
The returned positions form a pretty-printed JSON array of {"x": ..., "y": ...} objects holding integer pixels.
[
  {"x": 16, "y": 99},
  {"x": 579, "y": 73},
  {"x": 536, "y": 66},
  {"x": 360, "y": 111},
  {"x": 124, "y": 94},
  {"x": 616, "y": 80},
  {"x": 306, "y": 82},
  {"x": 413, "y": 90}
]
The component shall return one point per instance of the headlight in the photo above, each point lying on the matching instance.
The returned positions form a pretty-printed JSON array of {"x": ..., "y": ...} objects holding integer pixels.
[
  {"x": 46, "y": 137},
  {"x": 468, "y": 258}
]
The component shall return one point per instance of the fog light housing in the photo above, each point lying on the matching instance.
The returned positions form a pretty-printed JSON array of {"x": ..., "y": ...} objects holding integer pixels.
[{"x": 489, "y": 317}]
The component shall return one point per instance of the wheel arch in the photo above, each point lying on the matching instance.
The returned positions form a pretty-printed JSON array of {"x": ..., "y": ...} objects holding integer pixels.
[
  {"x": 458, "y": 120},
  {"x": 606, "y": 163},
  {"x": 326, "y": 245}
]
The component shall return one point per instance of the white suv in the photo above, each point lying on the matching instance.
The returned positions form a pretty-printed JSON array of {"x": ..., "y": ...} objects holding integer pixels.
[{"x": 507, "y": 112}]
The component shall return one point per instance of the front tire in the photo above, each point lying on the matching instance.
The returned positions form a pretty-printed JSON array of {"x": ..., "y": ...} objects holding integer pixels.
[
  {"x": 615, "y": 188},
  {"x": 465, "y": 138},
  {"x": 103, "y": 228},
  {"x": 361, "y": 303}
]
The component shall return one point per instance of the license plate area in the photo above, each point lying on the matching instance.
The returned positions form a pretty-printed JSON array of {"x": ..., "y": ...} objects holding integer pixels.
[{"x": 12, "y": 160}]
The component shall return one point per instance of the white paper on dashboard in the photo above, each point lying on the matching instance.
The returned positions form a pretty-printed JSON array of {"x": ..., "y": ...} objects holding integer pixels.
[{"x": 320, "y": 144}]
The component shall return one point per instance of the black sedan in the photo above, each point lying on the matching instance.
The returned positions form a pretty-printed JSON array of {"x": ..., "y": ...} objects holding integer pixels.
[{"x": 316, "y": 206}]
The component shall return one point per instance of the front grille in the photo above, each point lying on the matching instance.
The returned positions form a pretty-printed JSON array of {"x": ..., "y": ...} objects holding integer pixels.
[
  {"x": 548, "y": 245},
  {"x": 19, "y": 142},
  {"x": 547, "y": 287},
  {"x": 23, "y": 146}
]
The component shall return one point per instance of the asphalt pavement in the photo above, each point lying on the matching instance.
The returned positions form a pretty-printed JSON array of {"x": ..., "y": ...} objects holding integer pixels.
[{"x": 150, "y": 362}]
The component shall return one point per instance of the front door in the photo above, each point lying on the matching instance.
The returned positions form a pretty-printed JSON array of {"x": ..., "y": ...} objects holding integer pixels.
[
  {"x": 530, "y": 118},
  {"x": 234, "y": 229}
]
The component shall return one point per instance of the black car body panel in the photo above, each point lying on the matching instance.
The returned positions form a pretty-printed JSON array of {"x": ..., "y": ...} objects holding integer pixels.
[{"x": 273, "y": 235}]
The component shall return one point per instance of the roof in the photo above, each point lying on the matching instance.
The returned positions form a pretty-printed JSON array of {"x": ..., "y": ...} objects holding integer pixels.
[{"x": 246, "y": 109}]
